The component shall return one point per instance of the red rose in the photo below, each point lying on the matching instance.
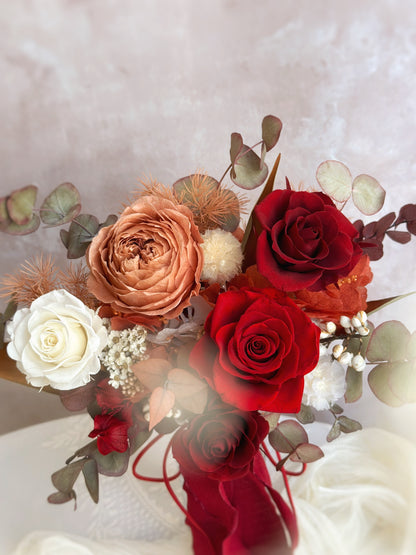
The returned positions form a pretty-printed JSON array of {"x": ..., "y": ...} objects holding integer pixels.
[
  {"x": 220, "y": 444},
  {"x": 257, "y": 347},
  {"x": 306, "y": 242}
]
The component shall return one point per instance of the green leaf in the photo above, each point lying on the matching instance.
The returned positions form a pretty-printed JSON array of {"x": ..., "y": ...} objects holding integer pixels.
[
  {"x": 249, "y": 242},
  {"x": 4, "y": 216},
  {"x": 336, "y": 409},
  {"x": 380, "y": 385},
  {"x": 411, "y": 347},
  {"x": 248, "y": 171},
  {"x": 287, "y": 436},
  {"x": 20, "y": 204},
  {"x": 65, "y": 478},
  {"x": 271, "y": 127},
  {"x": 236, "y": 146},
  {"x": 367, "y": 194},
  {"x": 113, "y": 464},
  {"x": 111, "y": 220},
  {"x": 388, "y": 342},
  {"x": 305, "y": 415},
  {"x": 59, "y": 497},
  {"x": 272, "y": 418},
  {"x": 15, "y": 229},
  {"x": 61, "y": 206},
  {"x": 81, "y": 232},
  {"x": 354, "y": 382},
  {"x": 90, "y": 472},
  {"x": 307, "y": 453},
  {"x": 335, "y": 180},
  {"x": 64, "y": 234},
  {"x": 334, "y": 432},
  {"x": 138, "y": 439},
  {"x": 402, "y": 381},
  {"x": 348, "y": 425},
  {"x": 10, "y": 310}
]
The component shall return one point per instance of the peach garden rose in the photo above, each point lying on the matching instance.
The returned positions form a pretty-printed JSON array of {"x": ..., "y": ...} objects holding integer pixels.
[{"x": 148, "y": 264}]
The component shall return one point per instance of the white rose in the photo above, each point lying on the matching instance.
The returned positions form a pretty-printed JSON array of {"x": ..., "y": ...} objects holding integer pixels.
[{"x": 57, "y": 341}]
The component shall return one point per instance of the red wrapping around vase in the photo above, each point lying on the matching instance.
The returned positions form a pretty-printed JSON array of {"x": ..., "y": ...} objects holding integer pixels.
[{"x": 245, "y": 516}]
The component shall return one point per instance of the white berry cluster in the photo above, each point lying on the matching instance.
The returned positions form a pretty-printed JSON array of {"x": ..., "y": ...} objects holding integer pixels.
[
  {"x": 123, "y": 349},
  {"x": 356, "y": 324}
]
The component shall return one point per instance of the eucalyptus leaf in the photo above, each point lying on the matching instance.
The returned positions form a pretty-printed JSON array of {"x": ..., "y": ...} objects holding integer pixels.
[
  {"x": 110, "y": 220},
  {"x": 90, "y": 472},
  {"x": 336, "y": 409},
  {"x": 236, "y": 146},
  {"x": 249, "y": 242},
  {"x": 287, "y": 436},
  {"x": 15, "y": 229},
  {"x": 388, "y": 342},
  {"x": 380, "y": 384},
  {"x": 248, "y": 171},
  {"x": 305, "y": 415},
  {"x": 335, "y": 180},
  {"x": 113, "y": 464},
  {"x": 137, "y": 439},
  {"x": 411, "y": 347},
  {"x": 334, "y": 432},
  {"x": 65, "y": 478},
  {"x": 10, "y": 310},
  {"x": 367, "y": 194},
  {"x": 64, "y": 234},
  {"x": 20, "y": 205},
  {"x": 354, "y": 381},
  {"x": 59, "y": 497},
  {"x": 4, "y": 216},
  {"x": 80, "y": 234},
  {"x": 61, "y": 206},
  {"x": 348, "y": 425},
  {"x": 307, "y": 453},
  {"x": 402, "y": 381},
  {"x": 271, "y": 128}
]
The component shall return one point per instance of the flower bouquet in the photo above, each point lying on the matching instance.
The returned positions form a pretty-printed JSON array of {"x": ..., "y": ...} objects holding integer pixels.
[{"x": 228, "y": 336}]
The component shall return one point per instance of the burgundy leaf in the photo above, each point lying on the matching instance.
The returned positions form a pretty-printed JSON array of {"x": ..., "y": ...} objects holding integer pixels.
[{"x": 399, "y": 236}]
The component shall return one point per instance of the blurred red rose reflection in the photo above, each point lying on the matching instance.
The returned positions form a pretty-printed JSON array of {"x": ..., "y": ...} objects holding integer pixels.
[{"x": 220, "y": 444}]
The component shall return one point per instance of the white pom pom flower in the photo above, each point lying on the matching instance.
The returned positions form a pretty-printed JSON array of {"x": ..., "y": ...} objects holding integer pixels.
[
  {"x": 222, "y": 256},
  {"x": 325, "y": 384}
]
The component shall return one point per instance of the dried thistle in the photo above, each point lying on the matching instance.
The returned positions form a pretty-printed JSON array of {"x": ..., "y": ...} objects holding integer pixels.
[
  {"x": 74, "y": 280},
  {"x": 34, "y": 279},
  {"x": 211, "y": 204},
  {"x": 156, "y": 189}
]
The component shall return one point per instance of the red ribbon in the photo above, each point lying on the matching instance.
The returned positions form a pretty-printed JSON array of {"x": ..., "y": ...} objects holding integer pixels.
[{"x": 245, "y": 516}]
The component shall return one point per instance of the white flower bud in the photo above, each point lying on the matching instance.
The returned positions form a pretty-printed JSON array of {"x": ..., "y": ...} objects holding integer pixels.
[
  {"x": 345, "y": 358},
  {"x": 355, "y": 322},
  {"x": 362, "y": 316},
  {"x": 363, "y": 330},
  {"x": 331, "y": 327},
  {"x": 337, "y": 350},
  {"x": 345, "y": 322},
  {"x": 324, "y": 334},
  {"x": 358, "y": 363}
]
